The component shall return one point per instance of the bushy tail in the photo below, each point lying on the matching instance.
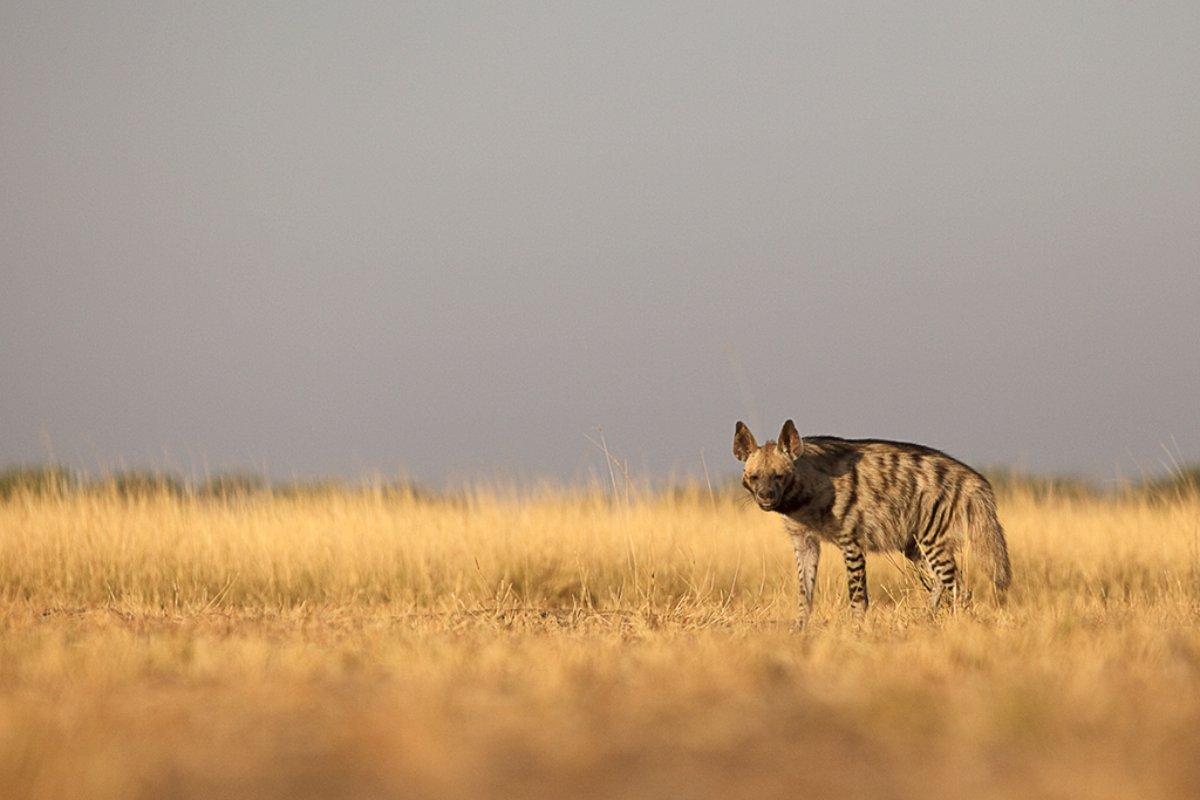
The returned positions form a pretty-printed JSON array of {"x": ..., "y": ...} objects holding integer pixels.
[{"x": 986, "y": 536}]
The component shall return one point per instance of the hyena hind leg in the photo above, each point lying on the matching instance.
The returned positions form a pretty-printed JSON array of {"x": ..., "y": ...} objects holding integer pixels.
[
  {"x": 940, "y": 575},
  {"x": 913, "y": 553}
]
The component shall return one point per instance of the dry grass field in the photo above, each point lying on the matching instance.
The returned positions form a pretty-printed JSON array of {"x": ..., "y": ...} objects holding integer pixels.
[{"x": 359, "y": 644}]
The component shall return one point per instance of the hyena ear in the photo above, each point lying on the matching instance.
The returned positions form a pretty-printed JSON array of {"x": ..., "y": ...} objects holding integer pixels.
[
  {"x": 743, "y": 442},
  {"x": 790, "y": 441}
]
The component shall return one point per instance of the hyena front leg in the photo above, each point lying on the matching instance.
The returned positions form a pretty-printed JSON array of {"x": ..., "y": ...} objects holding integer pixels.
[
  {"x": 856, "y": 575},
  {"x": 808, "y": 554}
]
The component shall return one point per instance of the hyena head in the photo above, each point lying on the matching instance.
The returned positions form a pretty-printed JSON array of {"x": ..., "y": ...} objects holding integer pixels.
[{"x": 770, "y": 469}]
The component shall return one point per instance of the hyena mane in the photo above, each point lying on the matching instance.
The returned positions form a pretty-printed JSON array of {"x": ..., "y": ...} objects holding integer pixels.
[{"x": 876, "y": 495}]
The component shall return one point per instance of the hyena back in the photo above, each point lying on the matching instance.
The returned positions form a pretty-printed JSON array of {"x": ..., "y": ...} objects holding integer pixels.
[{"x": 870, "y": 495}]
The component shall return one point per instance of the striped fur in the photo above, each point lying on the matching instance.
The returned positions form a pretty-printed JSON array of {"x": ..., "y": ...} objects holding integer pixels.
[{"x": 864, "y": 495}]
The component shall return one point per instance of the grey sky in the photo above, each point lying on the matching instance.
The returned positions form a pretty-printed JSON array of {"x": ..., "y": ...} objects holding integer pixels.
[{"x": 333, "y": 238}]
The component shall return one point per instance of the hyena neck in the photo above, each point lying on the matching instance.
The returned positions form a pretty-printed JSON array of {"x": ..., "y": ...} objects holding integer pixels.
[{"x": 797, "y": 495}]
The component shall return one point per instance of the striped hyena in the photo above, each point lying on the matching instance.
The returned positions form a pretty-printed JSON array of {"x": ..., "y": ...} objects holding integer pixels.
[{"x": 868, "y": 494}]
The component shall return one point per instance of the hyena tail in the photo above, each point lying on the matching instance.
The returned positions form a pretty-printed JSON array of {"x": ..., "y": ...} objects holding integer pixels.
[{"x": 986, "y": 536}]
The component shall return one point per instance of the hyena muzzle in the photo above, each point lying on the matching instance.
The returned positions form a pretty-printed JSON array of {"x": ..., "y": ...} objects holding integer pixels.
[{"x": 871, "y": 495}]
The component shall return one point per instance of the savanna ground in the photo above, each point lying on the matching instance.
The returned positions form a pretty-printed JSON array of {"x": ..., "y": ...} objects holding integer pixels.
[{"x": 370, "y": 644}]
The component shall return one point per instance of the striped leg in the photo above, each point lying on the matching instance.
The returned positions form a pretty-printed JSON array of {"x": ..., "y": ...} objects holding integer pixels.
[
  {"x": 856, "y": 576},
  {"x": 946, "y": 572},
  {"x": 808, "y": 554},
  {"x": 912, "y": 551},
  {"x": 937, "y": 551}
]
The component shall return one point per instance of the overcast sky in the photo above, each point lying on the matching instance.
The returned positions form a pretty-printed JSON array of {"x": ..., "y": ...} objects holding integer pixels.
[{"x": 331, "y": 238}]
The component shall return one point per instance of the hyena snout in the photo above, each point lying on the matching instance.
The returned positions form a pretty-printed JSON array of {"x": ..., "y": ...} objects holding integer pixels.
[{"x": 769, "y": 492}]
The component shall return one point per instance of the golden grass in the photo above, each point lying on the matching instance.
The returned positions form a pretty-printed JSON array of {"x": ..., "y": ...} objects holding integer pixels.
[{"x": 363, "y": 645}]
